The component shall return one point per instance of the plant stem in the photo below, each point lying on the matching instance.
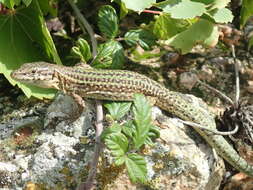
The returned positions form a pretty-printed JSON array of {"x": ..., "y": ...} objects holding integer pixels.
[
  {"x": 89, "y": 184},
  {"x": 85, "y": 26},
  {"x": 152, "y": 12}
]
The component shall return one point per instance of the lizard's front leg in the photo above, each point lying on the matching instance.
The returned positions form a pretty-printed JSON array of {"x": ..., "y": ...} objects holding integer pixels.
[{"x": 63, "y": 86}]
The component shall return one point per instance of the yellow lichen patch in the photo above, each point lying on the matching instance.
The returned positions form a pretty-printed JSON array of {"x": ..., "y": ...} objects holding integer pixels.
[
  {"x": 108, "y": 174},
  {"x": 67, "y": 175},
  {"x": 34, "y": 186}
]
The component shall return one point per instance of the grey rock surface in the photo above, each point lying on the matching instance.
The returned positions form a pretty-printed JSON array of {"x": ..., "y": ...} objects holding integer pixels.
[{"x": 60, "y": 154}]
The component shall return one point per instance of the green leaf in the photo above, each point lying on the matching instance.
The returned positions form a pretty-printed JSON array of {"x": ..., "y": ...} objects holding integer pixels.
[
  {"x": 137, "y": 5},
  {"x": 117, "y": 143},
  {"x": 197, "y": 33},
  {"x": 114, "y": 129},
  {"x": 17, "y": 2},
  {"x": 213, "y": 38},
  {"x": 149, "y": 142},
  {"x": 166, "y": 27},
  {"x": 153, "y": 133},
  {"x": 142, "y": 120},
  {"x": 123, "y": 9},
  {"x": 136, "y": 167},
  {"x": 187, "y": 9},
  {"x": 49, "y": 6},
  {"x": 120, "y": 160},
  {"x": 108, "y": 21},
  {"x": 206, "y": 2},
  {"x": 128, "y": 128},
  {"x": 82, "y": 50},
  {"x": 110, "y": 55},
  {"x": 27, "y": 2},
  {"x": 146, "y": 56},
  {"x": 246, "y": 11},
  {"x": 25, "y": 38},
  {"x": 118, "y": 109},
  {"x": 10, "y": 3},
  {"x": 250, "y": 42},
  {"x": 219, "y": 4},
  {"x": 223, "y": 15},
  {"x": 167, "y": 5},
  {"x": 142, "y": 37}
]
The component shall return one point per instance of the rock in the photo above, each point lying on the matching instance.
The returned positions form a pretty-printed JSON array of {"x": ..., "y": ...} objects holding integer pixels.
[
  {"x": 206, "y": 73},
  {"x": 59, "y": 157},
  {"x": 239, "y": 181},
  {"x": 188, "y": 80},
  {"x": 250, "y": 86}
]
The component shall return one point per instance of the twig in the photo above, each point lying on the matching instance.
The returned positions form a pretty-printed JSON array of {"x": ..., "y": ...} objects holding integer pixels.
[
  {"x": 152, "y": 12},
  {"x": 237, "y": 80},
  {"x": 89, "y": 184},
  {"x": 208, "y": 129},
  {"x": 85, "y": 26},
  {"x": 217, "y": 92}
]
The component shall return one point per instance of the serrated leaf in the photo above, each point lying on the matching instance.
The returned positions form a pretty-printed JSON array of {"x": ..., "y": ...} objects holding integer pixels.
[
  {"x": 25, "y": 38},
  {"x": 136, "y": 167},
  {"x": 108, "y": 21},
  {"x": 166, "y": 27},
  {"x": 187, "y": 9},
  {"x": 196, "y": 34},
  {"x": 115, "y": 128},
  {"x": 117, "y": 143},
  {"x": 137, "y": 5},
  {"x": 120, "y": 160},
  {"x": 75, "y": 51},
  {"x": 118, "y": 109},
  {"x": 142, "y": 120},
  {"x": 142, "y": 109},
  {"x": 246, "y": 11},
  {"x": 149, "y": 142},
  {"x": 152, "y": 134},
  {"x": 142, "y": 37},
  {"x": 223, "y": 15},
  {"x": 128, "y": 129},
  {"x": 250, "y": 42},
  {"x": 110, "y": 55},
  {"x": 82, "y": 50}
]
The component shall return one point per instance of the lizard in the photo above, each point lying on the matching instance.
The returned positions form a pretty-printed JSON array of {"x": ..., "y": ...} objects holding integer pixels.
[{"x": 120, "y": 85}]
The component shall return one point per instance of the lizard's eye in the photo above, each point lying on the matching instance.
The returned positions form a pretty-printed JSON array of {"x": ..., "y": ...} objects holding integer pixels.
[{"x": 33, "y": 71}]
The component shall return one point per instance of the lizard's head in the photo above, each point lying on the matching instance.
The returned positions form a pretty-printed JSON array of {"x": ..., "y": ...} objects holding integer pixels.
[{"x": 38, "y": 73}]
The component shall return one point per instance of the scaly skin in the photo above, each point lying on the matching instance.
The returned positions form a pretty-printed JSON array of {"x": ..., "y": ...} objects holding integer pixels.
[{"x": 83, "y": 81}]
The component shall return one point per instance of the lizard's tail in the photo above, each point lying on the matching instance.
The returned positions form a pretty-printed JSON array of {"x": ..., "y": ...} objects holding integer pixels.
[{"x": 183, "y": 107}]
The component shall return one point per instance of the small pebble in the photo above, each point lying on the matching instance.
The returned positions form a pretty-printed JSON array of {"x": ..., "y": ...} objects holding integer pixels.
[{"x": 188, "y": 80}]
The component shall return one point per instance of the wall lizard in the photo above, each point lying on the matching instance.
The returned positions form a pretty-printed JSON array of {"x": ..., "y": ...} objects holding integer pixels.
[{"x": 120, "y": 85}]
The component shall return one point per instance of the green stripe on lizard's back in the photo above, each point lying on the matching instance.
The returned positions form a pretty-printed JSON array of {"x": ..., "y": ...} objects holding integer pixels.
[{"x": 122, "y": 85}]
